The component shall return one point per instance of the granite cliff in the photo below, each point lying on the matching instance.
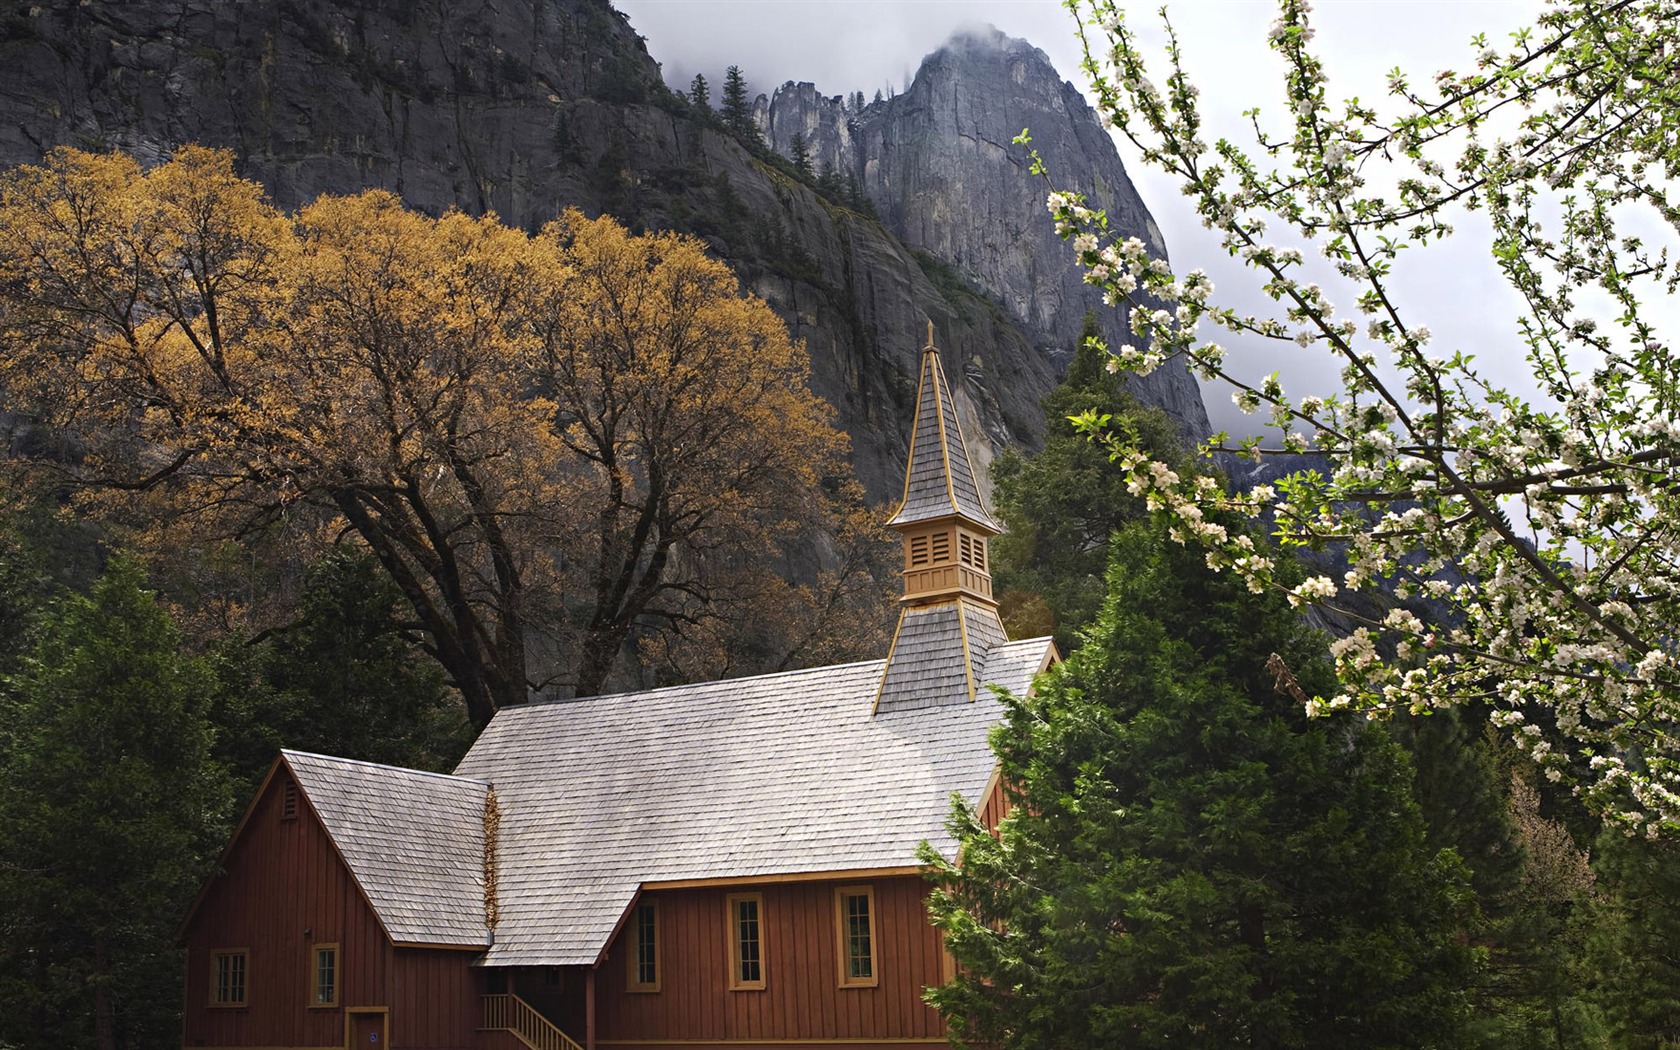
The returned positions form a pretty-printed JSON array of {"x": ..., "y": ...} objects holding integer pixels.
[
  {"x": 524, "y": 107},
  {"x": 940, "y": 164}
]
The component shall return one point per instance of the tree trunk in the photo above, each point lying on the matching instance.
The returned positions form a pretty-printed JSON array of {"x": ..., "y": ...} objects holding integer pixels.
[{"x": 595, "y": 662}]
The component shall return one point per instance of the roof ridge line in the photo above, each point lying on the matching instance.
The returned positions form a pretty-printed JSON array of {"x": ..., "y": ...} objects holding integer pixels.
[
  {"x": 289, "y": 752},
  {"x": 940, "y": 398},
  {"x": 639, "y": 693}
]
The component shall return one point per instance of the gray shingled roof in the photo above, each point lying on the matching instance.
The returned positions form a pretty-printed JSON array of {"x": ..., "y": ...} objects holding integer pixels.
[
  {"x": 920, "y": 670},
  {"x": 778, "y": 774},
  {"x": 414, "y": 843},
  {"x": 940, "y": 479}
]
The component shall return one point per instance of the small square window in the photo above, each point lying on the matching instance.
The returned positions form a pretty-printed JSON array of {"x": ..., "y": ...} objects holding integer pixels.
[
  {"x": 227, "y": 976},
  {"x": 746, "y": 935},
  {"x": 325, "y": 974}
]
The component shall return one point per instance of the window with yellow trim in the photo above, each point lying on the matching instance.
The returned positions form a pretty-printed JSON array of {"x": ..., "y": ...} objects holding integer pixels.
[
  {"x": 746, "y": 941},
  {"x": 854, "y": 912},
  {"x": 323, "y": 976},
  {"x": 228, "y": 967},
  {"x": 644, "y": 953}
]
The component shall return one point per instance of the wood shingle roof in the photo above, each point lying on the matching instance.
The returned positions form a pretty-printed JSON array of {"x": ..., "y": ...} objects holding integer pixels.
[
  {"x": 413, "y": 841},
  {"x": 939, "y": 480},
  {"x": 753, "y": 777}
]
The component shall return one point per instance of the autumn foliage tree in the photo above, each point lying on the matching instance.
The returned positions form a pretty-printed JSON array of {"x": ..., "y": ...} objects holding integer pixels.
[{"x": 552, "y": 444}]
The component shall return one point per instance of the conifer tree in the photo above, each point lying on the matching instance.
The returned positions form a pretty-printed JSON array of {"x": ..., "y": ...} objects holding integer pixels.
[
  {"x": 737, "y": 109},
  {"x": 111, "y": 808},
  {"x": 828, "y": 182},
  {"x": 1633, "y": 944},
  {"x": 344, "y": 679},
  {"x": 23, "y": 586},
  {"x": 699, "y": 94},
  {"x": 800, "y": 154},
  {"x": 1188, "y": 861},
  {"x": 1061, "y": 504}
]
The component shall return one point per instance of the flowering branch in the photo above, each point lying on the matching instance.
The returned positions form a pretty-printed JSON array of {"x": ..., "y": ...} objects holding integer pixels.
[{"x": 1546, "y": 529}]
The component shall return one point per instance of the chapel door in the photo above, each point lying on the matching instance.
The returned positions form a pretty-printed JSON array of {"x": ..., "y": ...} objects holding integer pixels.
[{"x": 367, "y": 1032}]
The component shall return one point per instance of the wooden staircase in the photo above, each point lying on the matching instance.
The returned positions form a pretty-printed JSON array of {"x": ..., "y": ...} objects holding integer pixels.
[{"x": 509, "y": 1013}]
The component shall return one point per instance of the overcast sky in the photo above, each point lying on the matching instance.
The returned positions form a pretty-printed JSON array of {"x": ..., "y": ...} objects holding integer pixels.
[{"x": 877, "y": 44}]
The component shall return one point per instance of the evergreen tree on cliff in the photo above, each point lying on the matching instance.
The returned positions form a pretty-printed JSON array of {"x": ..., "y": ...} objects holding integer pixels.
[
  {"x": 800, "y": 154},
  {"x": 1188, "y": 861},
  {"x": 737, "y": 109}
]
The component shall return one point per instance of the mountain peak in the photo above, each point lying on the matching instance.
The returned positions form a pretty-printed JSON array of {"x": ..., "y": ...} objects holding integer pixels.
[
  {"x": 940, "y": 164},
  {"x": 983, "y": 37}
]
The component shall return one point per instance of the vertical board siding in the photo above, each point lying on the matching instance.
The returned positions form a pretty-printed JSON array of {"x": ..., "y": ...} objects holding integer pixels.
[
  {"x": 434, "y": 998},
  {"x": 996, "y": 806},
  {"x": 802, "y": 998},
  {"x": 283, "y": 891}
]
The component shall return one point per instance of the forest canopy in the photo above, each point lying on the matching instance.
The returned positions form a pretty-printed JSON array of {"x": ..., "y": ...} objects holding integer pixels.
[{"x": 555, "y": 445}]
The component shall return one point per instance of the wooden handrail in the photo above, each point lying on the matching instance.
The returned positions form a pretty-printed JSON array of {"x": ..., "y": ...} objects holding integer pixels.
[{"x": 509, "y": 1013}]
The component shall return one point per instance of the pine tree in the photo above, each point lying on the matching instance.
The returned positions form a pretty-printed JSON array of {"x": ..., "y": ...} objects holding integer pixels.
[
  {"x": 1633, "y": 943},
  {"x": 699, "y": 94},
  {"x": 1061, "y": 504},
  {"x": 856, "y": 199},
  {"x": 737, "y": 109},
  {"x": 1532, "y": 883},
  {"x": 111, "y": 809},
  {"x": 828, "y": 182},
  {"x": 343, "y": 680},
  {"x": 800, "y": 154},
  {"x": 1189, "y": 861},
  {"x": 23, "y": 585}
]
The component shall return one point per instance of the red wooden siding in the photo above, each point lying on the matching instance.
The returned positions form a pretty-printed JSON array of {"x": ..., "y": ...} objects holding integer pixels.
[
  {"x": 284, "y": 891},
  {"x": 802, "y": 998},
  {"x": 995, "y": 806}
]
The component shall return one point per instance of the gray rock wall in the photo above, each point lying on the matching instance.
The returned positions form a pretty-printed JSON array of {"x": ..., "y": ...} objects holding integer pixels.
[
  {"x": 941, "y": 166},
  {"x": 524, "y": 107}
]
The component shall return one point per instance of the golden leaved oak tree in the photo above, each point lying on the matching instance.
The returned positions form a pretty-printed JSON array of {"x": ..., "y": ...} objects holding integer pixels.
[{"x": 556, "y": 445}]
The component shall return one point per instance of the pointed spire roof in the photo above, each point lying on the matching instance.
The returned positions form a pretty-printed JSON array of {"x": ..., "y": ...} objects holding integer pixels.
[{"x": 939, "y": 481}]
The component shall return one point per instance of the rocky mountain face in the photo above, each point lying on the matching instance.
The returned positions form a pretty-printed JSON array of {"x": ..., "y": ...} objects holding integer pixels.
[
  {"x": 941, "y": 166},
  {"x": 525, "y": 107}
]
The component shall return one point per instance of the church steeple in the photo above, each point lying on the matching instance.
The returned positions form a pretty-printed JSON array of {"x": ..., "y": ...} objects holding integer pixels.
[
  {"x": 944, "y": 521},
  {"x": 949, "y": 621}
]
